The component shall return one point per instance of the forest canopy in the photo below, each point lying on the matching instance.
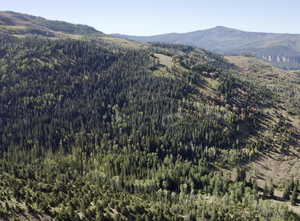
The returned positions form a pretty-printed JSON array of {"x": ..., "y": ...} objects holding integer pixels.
[{"x": 94, "y": 132}]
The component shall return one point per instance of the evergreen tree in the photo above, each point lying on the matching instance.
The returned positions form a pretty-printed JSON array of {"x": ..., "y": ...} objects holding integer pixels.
[
  {"x": 241, "y": 174},
  {"x": 286, "y": 193},
  {"x": 294, "y": 196},
  {"x": 266, "y": 191}
]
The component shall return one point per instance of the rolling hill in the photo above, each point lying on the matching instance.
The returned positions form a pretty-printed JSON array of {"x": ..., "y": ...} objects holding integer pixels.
[
  {"x": 280, "y": 49},
  {"x": 23, "y": 24}
]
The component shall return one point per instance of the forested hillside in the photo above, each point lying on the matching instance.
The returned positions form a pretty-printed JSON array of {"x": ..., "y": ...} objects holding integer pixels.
[{"x": 90, "y": 130}]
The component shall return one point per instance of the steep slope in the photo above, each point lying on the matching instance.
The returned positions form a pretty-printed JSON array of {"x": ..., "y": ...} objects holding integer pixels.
[
  {"x": 286, "y": 85},
  {"x": 273, "y": 166},
  {"x": 280, "y": 49}
]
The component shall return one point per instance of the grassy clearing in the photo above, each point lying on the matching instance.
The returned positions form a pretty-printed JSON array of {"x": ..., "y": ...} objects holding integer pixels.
[
  {"x": 121, "y": 42},
  {"x": 164, "y": 60}
]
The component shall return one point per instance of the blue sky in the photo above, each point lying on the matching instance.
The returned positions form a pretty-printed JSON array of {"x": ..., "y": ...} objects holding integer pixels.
[{"x": 151, "y": 17}]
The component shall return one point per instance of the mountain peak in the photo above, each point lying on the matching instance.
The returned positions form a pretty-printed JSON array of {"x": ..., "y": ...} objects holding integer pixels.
[{"x": 221, "y": 27}]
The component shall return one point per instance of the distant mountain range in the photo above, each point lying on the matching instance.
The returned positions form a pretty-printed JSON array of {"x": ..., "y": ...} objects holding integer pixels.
[{"x": 280, "y": 49}]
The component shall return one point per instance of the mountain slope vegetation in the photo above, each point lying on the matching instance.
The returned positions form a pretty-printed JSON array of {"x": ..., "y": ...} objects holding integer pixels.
[
  {"x": 285, "y": 84},
  {"x": 92, "y": 130}
]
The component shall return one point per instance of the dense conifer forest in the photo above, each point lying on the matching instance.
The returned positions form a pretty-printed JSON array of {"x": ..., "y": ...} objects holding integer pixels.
[{"x": 94, "y": 131}]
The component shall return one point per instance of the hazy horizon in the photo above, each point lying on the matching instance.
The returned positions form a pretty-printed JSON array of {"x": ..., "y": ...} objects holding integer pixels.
[{"x": 154, "y": 17}]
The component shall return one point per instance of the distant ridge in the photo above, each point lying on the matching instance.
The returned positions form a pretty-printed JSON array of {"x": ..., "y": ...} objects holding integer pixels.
[
  {"x": 280, "y": 49},
  {"x": 23, "y": 24}
]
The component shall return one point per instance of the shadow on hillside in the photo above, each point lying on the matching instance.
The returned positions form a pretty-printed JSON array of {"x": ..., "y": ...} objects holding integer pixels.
[{"x": 269, "y": 144}]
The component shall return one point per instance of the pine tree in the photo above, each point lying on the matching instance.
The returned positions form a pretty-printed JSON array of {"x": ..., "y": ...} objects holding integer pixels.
[
  {"x": 294, "y": 196},
  {"x": 271, "y": 189},
  {"x": 254, "y": 185},
  {"x": 266, "y": 191},
  {"x": 240, "y": 174},
  {"x": 286, "y": 193}
]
